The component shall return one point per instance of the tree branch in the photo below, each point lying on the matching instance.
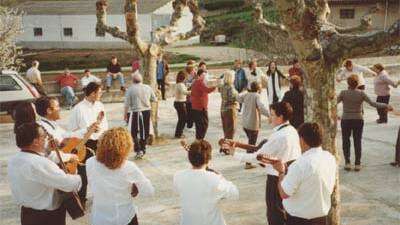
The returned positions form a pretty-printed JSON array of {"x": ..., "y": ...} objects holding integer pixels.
[
  {"x": 132, "y": 27},
  {"x": 101, "y": 26},
  {"x": 166, "y": 36},
  {"x": 350, "y": 46},
  {"x": 365, "y": 25},
  {"x": 258, "y": 16}
]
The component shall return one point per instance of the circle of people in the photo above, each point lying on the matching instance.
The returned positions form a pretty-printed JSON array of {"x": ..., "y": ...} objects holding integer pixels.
[{"x": 300, "y": 174}]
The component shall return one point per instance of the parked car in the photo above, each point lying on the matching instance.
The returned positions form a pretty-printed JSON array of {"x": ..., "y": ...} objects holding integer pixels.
[{"x": 13, "y": 90}]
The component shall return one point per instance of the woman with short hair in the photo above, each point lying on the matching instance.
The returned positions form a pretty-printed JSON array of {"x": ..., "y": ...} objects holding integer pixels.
[
  {"x": 229, "y": 104},
  {"x": 181, "y": 94},
  {"x": 251, "y": 117},
  {"x": 352, "y": 119},
  {"x": 115, "y": 181},
  {"x": 382, "y": 83}
]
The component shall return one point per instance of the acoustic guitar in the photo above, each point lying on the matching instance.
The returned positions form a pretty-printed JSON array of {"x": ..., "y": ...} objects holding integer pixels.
[
  {"x": 263, "y": 158},
  {"x": 77, "y": 146},
  {"x": 71, "y": 200}
]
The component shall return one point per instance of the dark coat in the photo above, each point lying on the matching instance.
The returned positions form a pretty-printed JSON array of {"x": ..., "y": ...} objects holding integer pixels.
[{"x": 295, "y": 98}]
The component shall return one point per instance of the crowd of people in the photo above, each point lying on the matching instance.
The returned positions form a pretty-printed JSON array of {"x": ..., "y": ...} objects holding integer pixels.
[{"x": 300, "y": 174}]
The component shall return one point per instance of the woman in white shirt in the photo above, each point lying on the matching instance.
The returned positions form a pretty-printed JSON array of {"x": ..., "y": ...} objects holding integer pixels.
[
  {"x": 201, "y": 189},
  {"x": 181, "y": 94},
  {"x": 114, "y": 181}
]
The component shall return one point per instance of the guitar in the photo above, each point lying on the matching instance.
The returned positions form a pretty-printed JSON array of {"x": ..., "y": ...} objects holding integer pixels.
[
  {"x": 71, "y": 201},
  {"x": 186, "y": 147},
  {"x": 263, "y": 158},
  {"x": 77, "y": 146}
]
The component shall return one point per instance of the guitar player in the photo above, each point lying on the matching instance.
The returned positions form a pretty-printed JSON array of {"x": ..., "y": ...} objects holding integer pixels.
[{"x": 84, "y": 114}]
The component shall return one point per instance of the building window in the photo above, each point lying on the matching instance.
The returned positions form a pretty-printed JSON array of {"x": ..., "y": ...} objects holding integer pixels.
[
  {"x": 37, "y": 32},
  {"x": 68, "y": 32},
  {"x": 347, "y": 13}
]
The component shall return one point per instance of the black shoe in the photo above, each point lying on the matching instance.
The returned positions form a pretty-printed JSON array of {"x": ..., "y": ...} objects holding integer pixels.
[
  {"x": 395, "y": 164},
  {"x": 378, "y": 121},
  {"x": 107, "y": 89}
]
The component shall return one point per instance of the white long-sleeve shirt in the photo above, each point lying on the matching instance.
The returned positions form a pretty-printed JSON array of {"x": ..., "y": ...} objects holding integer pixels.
[
  {"x": 260, "y": 77},
  {"x": 358, "y": 70},
  {"x": 284, "y": 144},
  {"x": 111, "y": 189},
  {"x": 309, "y": 184},
  {"x": 85, "y": 114},
  {"x": 200, "y": 191},
  {"x": 85, "y": 80},
  {"x": 34, "y": 181}
]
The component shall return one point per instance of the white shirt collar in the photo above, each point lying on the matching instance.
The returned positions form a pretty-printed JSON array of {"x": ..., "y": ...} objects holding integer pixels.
[
  {"x": 87, "y": 102},
  {"x": 279, "y": 126},
  {"x": 312, "y": 150}
]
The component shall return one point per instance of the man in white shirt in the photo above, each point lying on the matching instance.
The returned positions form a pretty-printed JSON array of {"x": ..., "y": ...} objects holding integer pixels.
[
  {"x": 88, "y": 78},
  {"x": 84, "y": 114},
  {"x": 35, "y": 78},
  {"x": 254, "y": 74},
  {"x": 34, "y": 179},
  {"x": 283, "y": 144},
  {"x": 307, "y": 187},
  {"x": 200, "y": 189},
  {"x": 351, "y": 68},
  {"x": 138, "y": 100}
]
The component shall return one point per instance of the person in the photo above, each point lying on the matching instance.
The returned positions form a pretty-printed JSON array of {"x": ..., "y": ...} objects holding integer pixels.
[
  {"x": 295, "y": 97},
  {"x": 240, "y": 79},
  {"x": 352, "y": 119},
  {"x": 181, "y": 94},
  {"x": 34, "y": 77},
  {"x": 351, "y": 68},
  {"x": 229, "y": 104},
  {"x": 24, "y": 112},
  {"x": 254, "y": 74},
  {"x": 162, "y": 73},
  {"x": 35, "y": 180},
  {"x": 382, "y": 83},
  {"x": 396, "y": 161},
  {"x": 88, "y": 77},
  {"x": 274, "y": 83},
  {"x": 113, "y": 72},
  {"x": 68, "y": 82},
  {"x": 283, "y": 144},
  {"x": 251, "y": 117},
  {"x": 296, "y": 69},
  {"x": 138, "y": 100},
  {"x": 191, "y": 74},
  {"x": 199, "y": 99},
  {"x": 207, "y": 76},
  {"x": 115, "y": 181},
  {"x": 135, "y": 64},
  {"x": 201, "y": 190},
  {"x": 307, "y": 187},
  {"x": 83, "y": 115}
]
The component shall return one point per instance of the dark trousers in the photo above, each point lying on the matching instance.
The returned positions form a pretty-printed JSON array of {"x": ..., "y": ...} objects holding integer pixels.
[
  {"x": 275, "y": 211},
  {"x": 397, "y": 156},
  {"x": 383, "y": 115},
  {"x": 189, "y": 122},
  {"x": 92, "y": 144},
  {"x": 200, "y": 118},
  {"x": 292, "y": 220},
  {"x": 252, "y": 136},
  {"x": 140, "y": 125},
  {"x": 182, "y": 117},
  {"x": 228, "y": 118},
  {"x": 31, "y": 216},
  {"x": 161, "y": 87},
  {"x": 134, "y": 221},
  {"x": 355, "y": 128}
]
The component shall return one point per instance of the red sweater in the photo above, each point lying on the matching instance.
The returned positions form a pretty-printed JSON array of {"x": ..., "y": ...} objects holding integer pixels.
[{"x": 199, "y": 95}]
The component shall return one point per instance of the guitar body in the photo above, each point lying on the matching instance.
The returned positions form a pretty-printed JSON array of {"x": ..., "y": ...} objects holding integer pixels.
[{"x": 74, "y": 146}]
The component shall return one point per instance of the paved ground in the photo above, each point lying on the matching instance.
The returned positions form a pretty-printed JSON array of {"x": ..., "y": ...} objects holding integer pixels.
[{"x": 370, "y": 197}]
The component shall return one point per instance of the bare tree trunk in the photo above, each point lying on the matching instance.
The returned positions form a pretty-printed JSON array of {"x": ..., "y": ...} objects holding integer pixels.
[
  {"x": 320, "y": 103},
  {"x": 149, "y": 77}
]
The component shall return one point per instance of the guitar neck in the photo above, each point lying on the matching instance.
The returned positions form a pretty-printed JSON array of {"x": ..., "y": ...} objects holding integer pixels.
[{"x": 245, "y": 146}]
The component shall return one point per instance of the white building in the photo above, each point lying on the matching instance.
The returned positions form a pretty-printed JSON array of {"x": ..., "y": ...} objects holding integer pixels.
[{"x": 72, "y": 24}]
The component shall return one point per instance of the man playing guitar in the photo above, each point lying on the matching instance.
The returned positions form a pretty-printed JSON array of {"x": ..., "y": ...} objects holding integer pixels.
[
  {"x": 34, "y": 179},
  {"x": 84, "y": 114}
]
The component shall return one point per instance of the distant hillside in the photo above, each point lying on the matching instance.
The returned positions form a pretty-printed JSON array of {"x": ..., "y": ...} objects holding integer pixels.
[{"x": 237, "y": 24}]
